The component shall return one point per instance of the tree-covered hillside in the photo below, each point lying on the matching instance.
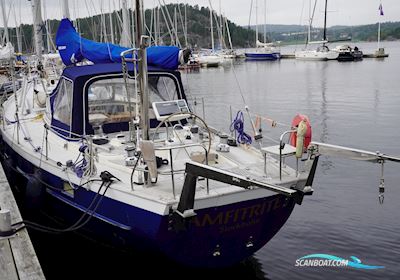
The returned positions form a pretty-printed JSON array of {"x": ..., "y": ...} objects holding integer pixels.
[{"x": 97, "y": 28}]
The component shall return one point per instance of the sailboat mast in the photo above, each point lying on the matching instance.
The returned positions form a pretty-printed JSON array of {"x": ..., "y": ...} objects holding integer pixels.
[
  {"x": 256, "y": 22},
  {"x": 221, "y": 36},
  {"x": 48, "y": 30},
  {"x": 309, "y": 23},
  {"x": 176, "y": 26},
  {"x": 3, "y": 11},
  {"x": 17, "y": 29},
  {"x": 142, "y": 77},
  {"x": 37, "y": 27},
  {"x": 186, "y": 26},
  {"x": 111, "y": 22},
  {"x": 265, "y": 21},
  {"x": 326, "y": 6},
  {"x": 212, "y": 29},
  {"x": 125, "y": 25},
  {"x": 65, "y": 9},
  {"x": 229, "y": 32}
]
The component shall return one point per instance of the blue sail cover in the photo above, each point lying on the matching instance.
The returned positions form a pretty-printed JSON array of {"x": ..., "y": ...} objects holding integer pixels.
[{"x": 73, "y": 48}]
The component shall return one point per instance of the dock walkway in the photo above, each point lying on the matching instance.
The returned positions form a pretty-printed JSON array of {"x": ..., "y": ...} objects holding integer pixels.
[{"x": 18, "y": 260}]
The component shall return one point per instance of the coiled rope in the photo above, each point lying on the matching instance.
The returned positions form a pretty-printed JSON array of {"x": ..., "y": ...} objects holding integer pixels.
[{"x": 238, "y": 126}]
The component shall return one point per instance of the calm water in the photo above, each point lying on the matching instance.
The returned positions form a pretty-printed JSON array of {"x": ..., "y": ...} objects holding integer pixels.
[{"x": 353, "y": 104}]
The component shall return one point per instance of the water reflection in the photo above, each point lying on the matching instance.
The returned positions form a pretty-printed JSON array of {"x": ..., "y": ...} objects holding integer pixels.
[
  {"x": 96, "y": 260},
  {"x": 326, "y": 163}
]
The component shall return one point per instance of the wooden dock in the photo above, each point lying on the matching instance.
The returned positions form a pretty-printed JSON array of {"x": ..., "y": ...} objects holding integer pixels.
[
  {"x": 18, "y": 260},
  {"x": 372, "y": 55}
]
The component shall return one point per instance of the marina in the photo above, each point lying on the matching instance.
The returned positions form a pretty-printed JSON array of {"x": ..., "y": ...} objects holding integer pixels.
[{"x": 130, "y": 153}]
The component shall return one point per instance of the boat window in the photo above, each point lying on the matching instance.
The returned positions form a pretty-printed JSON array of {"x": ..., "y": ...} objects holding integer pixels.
[
  {"x": 62, "y": 102},
  {"x": 162, "y": 88},
  {"x": 108, "y": 100}
]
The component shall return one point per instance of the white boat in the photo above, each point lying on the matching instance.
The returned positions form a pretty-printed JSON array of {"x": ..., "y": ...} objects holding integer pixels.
[
  {"x": 209, "y": 60},
  {"x": 322, "y": 52}
]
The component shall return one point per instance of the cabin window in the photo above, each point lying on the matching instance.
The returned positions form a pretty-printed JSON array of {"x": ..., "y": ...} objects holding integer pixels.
[
  {"x": 162, "y": 88},
  {"x": 62, "y": 102},
  {"x": 108, "y": 100}
]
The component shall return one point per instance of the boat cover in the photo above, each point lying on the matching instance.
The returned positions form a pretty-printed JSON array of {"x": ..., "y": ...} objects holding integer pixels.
[{"x": 73, "y": 48}]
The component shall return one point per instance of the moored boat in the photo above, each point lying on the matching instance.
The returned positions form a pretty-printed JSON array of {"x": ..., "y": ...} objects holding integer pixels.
[{"x": 347, "y": 53}]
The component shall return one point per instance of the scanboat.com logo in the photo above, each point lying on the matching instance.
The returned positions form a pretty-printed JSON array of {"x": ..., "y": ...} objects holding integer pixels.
[{"x": 321, "y": 260}]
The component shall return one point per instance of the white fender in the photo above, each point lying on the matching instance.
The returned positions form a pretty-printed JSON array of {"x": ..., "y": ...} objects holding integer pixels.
[
  {"x": 301, "y": 132},
  {"x": 41, "y": 99}
]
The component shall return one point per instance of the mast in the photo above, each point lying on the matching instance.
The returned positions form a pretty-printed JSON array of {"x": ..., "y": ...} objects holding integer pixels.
[
  {"x": 311, "y": 15},
  {"x": 155, "y": 26},
  {"x": 103, "y": 27},
  {"x": 125, "y": 25},
  {"x": 162, "y": 8},
  {"x": 220, "y": 27},
  {"x": 65, "y": 9},
  {"x": 111, "y": 23},
  {"x": 256, "y": 22},
  {"x": 48, "y": 31},
  {"x": 309, "y": 23},
  {"x": 229, "y": 32},
  {"x": 326, "y": 6},
  {"x": 17, "y": 30},
  {"x": 176, "y": 26},
  {"x": 37, "y": 27},
  {"x": 142, "y": 77},
  {"x": 186, "y": 26},
  {"x": 212, "y": 29},
  {"x": 3, "y": 11},
  {"x": 178, "y": 43},
  {"x": 265, "y": 21},
  {"x": 212, "y": 14}
]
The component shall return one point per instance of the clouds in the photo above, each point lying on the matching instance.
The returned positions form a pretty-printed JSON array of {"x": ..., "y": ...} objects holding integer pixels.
[{"x": 341, "y": 12}]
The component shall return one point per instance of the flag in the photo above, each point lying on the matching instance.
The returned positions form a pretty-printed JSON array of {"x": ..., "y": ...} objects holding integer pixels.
[{"x": 380, "y": 9}]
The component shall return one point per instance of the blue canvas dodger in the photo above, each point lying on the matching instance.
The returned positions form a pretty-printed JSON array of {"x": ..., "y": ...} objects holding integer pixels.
[{"x": 73, "y": 48}]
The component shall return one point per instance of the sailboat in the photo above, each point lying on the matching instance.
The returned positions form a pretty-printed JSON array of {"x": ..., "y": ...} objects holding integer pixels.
[
  {"x": 118, "y": 154},
  {"x": 322, "y": 52},
  {"x": 263, "y": 51},
  {"x": 210, "y": 58}
]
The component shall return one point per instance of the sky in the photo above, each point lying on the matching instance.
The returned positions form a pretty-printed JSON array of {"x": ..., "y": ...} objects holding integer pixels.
[{"x": 340, "y": 12}]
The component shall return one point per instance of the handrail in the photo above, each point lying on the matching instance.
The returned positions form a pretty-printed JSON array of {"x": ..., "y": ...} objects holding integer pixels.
[{"x": 174, "y": 147}]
